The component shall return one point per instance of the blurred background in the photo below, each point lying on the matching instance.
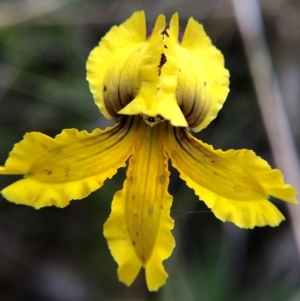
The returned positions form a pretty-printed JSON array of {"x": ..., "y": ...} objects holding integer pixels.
[{"x": 60, "y": 254}]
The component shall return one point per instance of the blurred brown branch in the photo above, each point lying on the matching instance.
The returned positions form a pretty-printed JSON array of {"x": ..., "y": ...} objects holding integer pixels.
[
  {"x": 18, "y": 11},
  {"x": 272, "y": 106}
]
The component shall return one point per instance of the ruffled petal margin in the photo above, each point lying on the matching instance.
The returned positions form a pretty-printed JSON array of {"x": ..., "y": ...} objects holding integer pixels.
[
  {"x": 235, "y": 184},
  {"x": 70, "y": 166},
  {"x": 138, "y": 230}
]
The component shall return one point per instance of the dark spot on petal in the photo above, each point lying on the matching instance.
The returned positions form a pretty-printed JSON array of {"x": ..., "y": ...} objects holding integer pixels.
[
  {"x": 164, "y": 32},
  {"x": 67, "y": 170},
  {"x": 204, "y": 84},
  {"x": 133, "y": 242},
  {"x": 165, "y": 46},
  {"x": 49, "y": 172},
  {"x": 213, "y": 161},
  {"x": 133, "y": 197},
  {"x": 136, "y": 233},
  {"x": 162, "y": 179},
  {"x": 163, "y": 60},
  {"x": 104, "y": 88}
]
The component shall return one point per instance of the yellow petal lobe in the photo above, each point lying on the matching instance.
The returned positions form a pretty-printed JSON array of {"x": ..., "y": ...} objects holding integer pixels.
[
  {"x": 159, "y": 25},
  {"x": 138, "y": 229},
  {"x": 174, "y": 27},
  {"x": 203, "y": 81},
  {"x": 120, "y": 41},
  {"x": 70, "y": 166},
  {"x": 235, "y": 184}
]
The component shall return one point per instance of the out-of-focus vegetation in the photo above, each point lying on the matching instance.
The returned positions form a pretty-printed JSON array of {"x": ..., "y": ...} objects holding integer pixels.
[{"x": 60, "y": 254}]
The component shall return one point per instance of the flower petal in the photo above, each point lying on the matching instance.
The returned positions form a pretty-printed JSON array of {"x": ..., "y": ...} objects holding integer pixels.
[
  {"x": 138, "y": 229},
  {"x": 234, "y": 184},
  {"x": 174, "y": 27},
  {"x": 158, "y": 73},
  {"x": 70, "y": 166},
  {"x": 119, "y": 41},
  {"x": 203, "y": 81}
]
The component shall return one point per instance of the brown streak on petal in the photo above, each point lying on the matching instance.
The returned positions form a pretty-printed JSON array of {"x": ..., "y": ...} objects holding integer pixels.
[
  {"x": 122, "y": 127},
  {"x": 164, "y": 32},
  {"x": 163, "y": 60},
  {"x": 181, "y": 138},
  {"x": 184, "y": 141}
]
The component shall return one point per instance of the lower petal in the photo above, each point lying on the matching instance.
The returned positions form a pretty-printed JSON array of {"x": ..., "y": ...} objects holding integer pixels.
[
  {"x": 138, "y": 230},
  {"x": 235, "y": 184},
  {"x": 70, "y": 166}
]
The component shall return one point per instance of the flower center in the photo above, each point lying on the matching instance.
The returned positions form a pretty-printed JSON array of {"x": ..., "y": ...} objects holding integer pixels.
[{"x": 152, "y": 121}]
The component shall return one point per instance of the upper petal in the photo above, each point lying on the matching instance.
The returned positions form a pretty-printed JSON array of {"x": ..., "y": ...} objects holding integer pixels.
[
  {"x": 70, "y": 166},
  {"x": 203, "y": 82},
  {"x": 138, "y": 229},
  {"x": 119, "y": 43},
  {"x": 131, "y": 75},
  {"x": 234, "y": 184},
  {"x": 159, "y": 71},
  {"x": 185, "y": 83}
]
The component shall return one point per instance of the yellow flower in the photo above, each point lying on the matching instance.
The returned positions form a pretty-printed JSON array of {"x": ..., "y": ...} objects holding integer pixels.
[{"x": 157, "y": 87}]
